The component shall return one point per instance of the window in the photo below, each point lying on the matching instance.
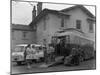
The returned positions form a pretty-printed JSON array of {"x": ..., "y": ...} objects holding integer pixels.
[
  {"x": 62, "y": 22},
  {"x": 91, "y": 27},
  {"x": 12, "y": 35},
  {"x": 78, "y": 24},
  {"x": 91, "y": 23},
  {"x": 24, "y": 35}
]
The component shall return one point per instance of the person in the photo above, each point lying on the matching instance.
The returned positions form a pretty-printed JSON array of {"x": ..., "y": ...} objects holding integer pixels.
[
  {"x": 51, "y": 52},
  {"x": 33, "y": 49},
  {"x": 28, "y": 56},
  {"x": 62, "y": 46},
  {"x": 45, "y": 55},
  {"x": 75, "y": 56},
  {"x": 81, "y": 53},
  {"x": 57, "y": 49},
  {"x": 67, "y": 49},
  {"x": 45, "y": 50}
]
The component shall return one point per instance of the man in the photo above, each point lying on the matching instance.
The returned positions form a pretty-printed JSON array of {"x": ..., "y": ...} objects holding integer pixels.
[
  {"x": 51, "y": 52},
  {"x": 57, "y": 49},
  {"x": 75, "y": 56},
  {"x": 28, "y": 56},
  {"x": 45, "y": 55},
  {"x": 45, "y": 50}
]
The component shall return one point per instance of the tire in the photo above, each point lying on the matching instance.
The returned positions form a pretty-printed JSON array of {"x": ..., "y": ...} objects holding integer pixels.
[
  {"x": 42, "y": 59},
  {"x": 19, "y": 63}
]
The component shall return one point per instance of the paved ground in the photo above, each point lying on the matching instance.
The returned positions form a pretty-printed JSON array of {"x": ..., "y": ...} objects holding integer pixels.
[{"x": 90, "y": 64}]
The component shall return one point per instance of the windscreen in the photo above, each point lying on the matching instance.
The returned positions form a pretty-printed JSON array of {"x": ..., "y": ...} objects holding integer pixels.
[{"x": 19, "y": 49}]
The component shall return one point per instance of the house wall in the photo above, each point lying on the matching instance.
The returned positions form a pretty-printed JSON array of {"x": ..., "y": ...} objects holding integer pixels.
[
  {"x": 53, "y": 24},
  {"x": 78, "y": 14},
  {"x": 17, "y": 37},
  {"x": 41, "y": 32}
]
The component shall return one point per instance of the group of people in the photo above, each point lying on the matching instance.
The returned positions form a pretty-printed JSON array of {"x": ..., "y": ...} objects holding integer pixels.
[
  {"x": 65, "y": 49},
  {"x": 53, "y": 50},
  {"x": 49, "y": 53},
  {"x": 30, "y": 51}
]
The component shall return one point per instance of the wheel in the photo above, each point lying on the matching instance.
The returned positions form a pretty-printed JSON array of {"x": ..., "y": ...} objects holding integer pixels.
[
  {"x": 41, "y": 59},
  {"x": 19, "y": 63}
]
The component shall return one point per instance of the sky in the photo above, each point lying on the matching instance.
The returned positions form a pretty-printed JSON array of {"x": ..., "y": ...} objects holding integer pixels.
[{"x": 22, "y": 11}]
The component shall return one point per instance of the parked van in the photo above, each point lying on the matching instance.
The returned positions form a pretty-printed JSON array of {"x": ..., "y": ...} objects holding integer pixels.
[{"x": 18, "y": 55}]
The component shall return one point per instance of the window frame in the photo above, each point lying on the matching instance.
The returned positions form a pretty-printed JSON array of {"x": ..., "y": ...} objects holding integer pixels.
[
  {"x": 62, "y": 22},
  {"x": 24, "y": 35},
  {"x": 91, "y": 28},
  {"x": 78, "y": 24}
]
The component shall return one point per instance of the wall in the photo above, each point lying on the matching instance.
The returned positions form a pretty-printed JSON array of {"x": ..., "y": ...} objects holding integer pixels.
[
  {"x": 53, "y": 24},
  {"x": 78, "y": 14},
  {"x": 17, "y": 37}
]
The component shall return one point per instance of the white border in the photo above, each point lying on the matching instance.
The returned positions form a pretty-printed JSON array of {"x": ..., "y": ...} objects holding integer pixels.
[{"x": 5, "y": 37}]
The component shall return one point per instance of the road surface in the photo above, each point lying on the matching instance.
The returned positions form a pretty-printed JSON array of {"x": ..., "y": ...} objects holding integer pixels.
[{"x": 86, "y": 65}]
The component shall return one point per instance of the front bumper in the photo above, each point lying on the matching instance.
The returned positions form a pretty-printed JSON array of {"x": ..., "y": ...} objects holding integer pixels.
[{"x": 17, "y": 58}]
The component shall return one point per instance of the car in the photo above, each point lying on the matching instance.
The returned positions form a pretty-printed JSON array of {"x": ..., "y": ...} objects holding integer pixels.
[
  {"x": 18, "y": 54},
  {"x": 19, "y": 57}
]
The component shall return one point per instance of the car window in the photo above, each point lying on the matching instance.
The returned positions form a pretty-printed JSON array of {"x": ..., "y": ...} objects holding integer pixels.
[{"x": 19, "y": 49}]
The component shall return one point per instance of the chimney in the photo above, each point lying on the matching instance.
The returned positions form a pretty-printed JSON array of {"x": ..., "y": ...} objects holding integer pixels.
[
  {"x": 39, "y": 7},
  {"x": 33, "y": 13}
]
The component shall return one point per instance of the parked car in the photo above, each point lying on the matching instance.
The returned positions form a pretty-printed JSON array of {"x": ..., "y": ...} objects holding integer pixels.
[
  {"x": 19, "y": 57},
  {"x": 18, "y": 54}
]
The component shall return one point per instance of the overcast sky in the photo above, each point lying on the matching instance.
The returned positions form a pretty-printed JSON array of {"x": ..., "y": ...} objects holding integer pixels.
[{"x": 22, "y": 11}]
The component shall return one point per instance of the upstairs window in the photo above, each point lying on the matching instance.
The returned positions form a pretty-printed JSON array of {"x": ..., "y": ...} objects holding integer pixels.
[
  {"x": 62, "y": 22},
  {"x": 78, "y": 24},
  {"x": 91, "y": 26},
  {"x": 13, "y": 35},
  {"x": 24, "y": 35},
  {"x": 91, "y": 23}
]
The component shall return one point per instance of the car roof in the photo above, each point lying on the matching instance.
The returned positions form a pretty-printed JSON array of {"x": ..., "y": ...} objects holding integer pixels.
[
  {"x": 22, "y": 45},
  {"x": 37, "y": 45}
]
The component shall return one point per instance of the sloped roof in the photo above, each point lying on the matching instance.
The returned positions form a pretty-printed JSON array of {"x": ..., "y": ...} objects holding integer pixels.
[
  {"x": 45, "y": 12},
  {"x": 81, "y": 7},
  {"x": 21, "y": 27}
]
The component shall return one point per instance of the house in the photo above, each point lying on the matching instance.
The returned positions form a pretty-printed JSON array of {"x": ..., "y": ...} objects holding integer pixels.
[
  {"x": 22, "y": 34},
  {"x": 76, "y": 18},
  {"x": 47, "y": 23}
]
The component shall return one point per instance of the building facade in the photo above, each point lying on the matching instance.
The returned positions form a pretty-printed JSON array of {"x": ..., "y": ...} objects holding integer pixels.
[
  {"x": 22, "y": 34},
  {"x": 48, "y": 22}
]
